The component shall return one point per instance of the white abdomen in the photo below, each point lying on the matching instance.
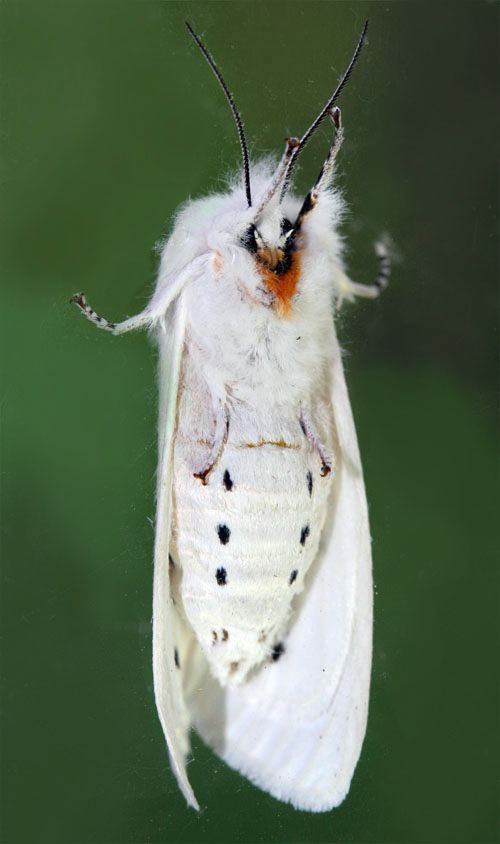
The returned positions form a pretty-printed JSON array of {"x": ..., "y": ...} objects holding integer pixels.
[{"x": 243, "y": 543}]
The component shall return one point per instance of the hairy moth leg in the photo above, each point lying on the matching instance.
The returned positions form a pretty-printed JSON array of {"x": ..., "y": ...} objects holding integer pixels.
[
  {"x": 312, "y": 435},
  {"x": 279, "y": 177},
  {"x": 349, "y": 289},
  {"x": 372, "y": 291},
  {"x": 322, "y": 183},
  {"x": 324, "y": 178},
  {"x": 219, "y": 441},
  {"x": 154, "y": 310},
  {"x": 130, "y": 324}
]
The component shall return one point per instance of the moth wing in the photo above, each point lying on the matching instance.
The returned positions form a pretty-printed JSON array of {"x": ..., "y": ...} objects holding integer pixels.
[
  {"x": 296, "y": 728},
  {"x": 167, "y": 677}
]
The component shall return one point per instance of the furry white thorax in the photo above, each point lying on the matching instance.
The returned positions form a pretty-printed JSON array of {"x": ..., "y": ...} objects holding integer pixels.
[{"x": 244, "y": 348}]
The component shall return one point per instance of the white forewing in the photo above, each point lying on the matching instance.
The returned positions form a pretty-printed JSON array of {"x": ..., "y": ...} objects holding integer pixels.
[
  {"x": 167, "y": 681},
  {"x": 296, "y": 727}
]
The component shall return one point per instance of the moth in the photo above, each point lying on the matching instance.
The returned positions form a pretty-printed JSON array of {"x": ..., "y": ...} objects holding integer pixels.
[{"x": 262, "y": 597}]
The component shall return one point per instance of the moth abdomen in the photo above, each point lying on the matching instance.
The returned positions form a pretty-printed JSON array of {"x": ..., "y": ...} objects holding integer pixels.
[{"x": 254, "y": 539}]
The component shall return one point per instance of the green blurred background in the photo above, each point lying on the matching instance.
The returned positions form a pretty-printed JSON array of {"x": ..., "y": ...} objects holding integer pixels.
[{"x": 110, "y": 119}]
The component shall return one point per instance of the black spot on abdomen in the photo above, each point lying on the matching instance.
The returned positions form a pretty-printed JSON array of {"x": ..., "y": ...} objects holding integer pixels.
[
  {"x": 227, "y": 481},
  {"x": 223, "y": 533},
  {"x": 221, "y": 576},
  {"x": 304, "y": 534},
  {"x": 309, "y": 483},
  {"x": 293, "y": 576},
  {"x": 277, "y": 651},
  {"x": 176, "y": 658}
]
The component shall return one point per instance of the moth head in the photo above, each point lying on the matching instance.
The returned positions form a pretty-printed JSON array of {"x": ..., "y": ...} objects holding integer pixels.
[
  {"x": 272, "y": 245},
  {"x": 267, "y": 232}
]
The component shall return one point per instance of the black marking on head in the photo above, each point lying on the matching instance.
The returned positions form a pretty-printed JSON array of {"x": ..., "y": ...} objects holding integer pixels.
[
  {"x": 277, "y": 651},
  {"x": 286, "y": 226},
  {"x": 293, "y": 576},
  {"x": 304, "y": 534},
  {"x": 309, "y": 483},
  {"x": 221, "y": 576},
  {"x": 176, "y": 658},
  {"x": 223, "y": 533},
  {"x": 248, "y": 239},
  {"x": 226, "y": 480}
]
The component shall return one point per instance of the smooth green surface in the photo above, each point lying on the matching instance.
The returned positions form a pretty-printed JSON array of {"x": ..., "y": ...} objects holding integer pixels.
[{"x": 109, "y": 120}]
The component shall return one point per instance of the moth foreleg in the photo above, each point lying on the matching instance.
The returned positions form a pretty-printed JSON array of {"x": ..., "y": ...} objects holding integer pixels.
[
  {"x": 155, "y": 310},
  {"x": 219, "y": 441},
  {"x": 309, "y": 430},
  {"x": 137, "y": 321},
  {"x": 349, "y": 289},
  {"x": 322, "y": 183},
  {"x": 279, "y": 177},
  {"x": 325, "y": 176}
]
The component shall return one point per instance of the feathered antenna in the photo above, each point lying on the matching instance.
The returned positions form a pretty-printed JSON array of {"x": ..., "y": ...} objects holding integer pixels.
[
  {"x": 234, "y": 109},
  {"x": 321, "y": 116}
]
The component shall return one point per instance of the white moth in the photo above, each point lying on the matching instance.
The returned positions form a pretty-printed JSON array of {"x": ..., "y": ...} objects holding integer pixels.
[{"x": 262, "y": 606}]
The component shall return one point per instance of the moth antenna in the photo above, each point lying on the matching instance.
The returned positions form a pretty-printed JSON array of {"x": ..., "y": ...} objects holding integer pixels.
[
  {"x": 325, "y": 111},
  {"x": 237, "y": 117}
]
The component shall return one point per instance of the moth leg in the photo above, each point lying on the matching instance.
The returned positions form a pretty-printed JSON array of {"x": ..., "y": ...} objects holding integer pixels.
[
  {"x": 324, "y": 178},
  {"x": 219, "y": 441},
  {"x": 277, "y": 182},
  {"x": 349, "y": 289},
  {"x": 312, "y": 435},
  {"x": 326, "y": 173},
  {"x": 138, "y": 321}
]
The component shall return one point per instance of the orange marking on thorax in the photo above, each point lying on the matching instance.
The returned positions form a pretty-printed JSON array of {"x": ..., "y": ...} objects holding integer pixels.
[{"x": 283, "y": 286}]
